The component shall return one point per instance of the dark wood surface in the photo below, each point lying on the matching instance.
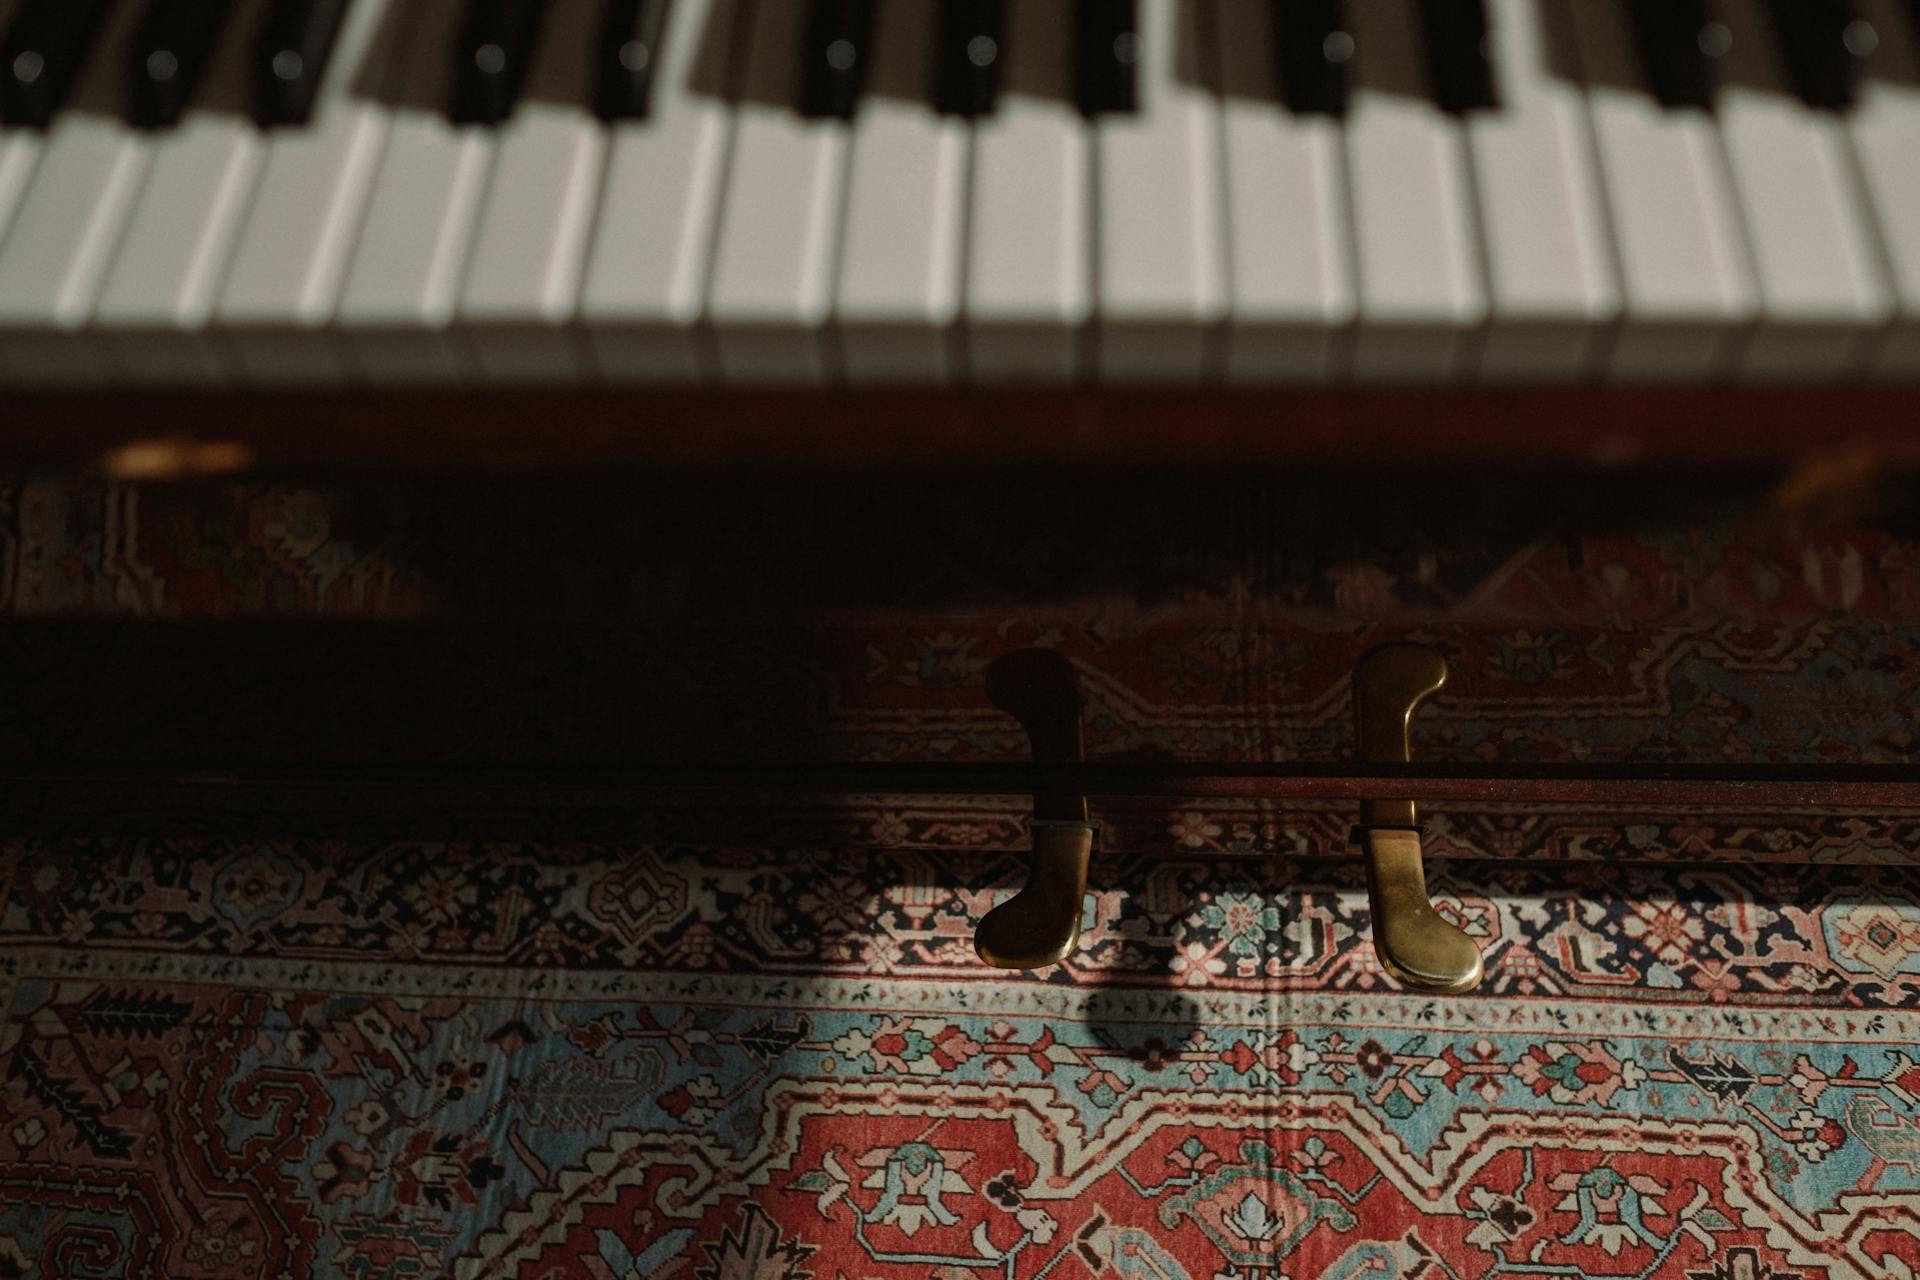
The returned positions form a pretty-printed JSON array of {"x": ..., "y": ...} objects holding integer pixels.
[
  {"x": 163, "y": 433},
  {"x": 218, "y": 784},
  {"x": 703, "y": 479}
]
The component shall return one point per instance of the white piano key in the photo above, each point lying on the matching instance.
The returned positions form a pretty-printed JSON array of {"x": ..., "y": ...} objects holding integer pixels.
[
  {"x": 68, "y": 221},
  {"x": 19, "y": 154},
  {"x": 1687, "y": 290},
  {"x": 1422, "y": 284},
  {"x": 1291, "y": 294},
  {"x": 159, "y": 293},
  {"x": 1029, "y": 288},
  {"x": 647, "y": 273},
  {"x": 1160, "y": 270},
  {"x": 1886, "y": 139},
  {"x": 1824, "y": 302},
  {"x": 522, "y": 285},
  {"x": 772, "y": 284},
  {"x": 1552, "y": 283},
  {"x": 282, "y": 288},
  {"x": 899, "y": 285},
  {"x": 19, "y": 149},
  {"x": 403, "y": 284}
]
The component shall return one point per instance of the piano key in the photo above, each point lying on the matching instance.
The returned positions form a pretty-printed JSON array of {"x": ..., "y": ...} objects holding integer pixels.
[
  {"x": 653, "y": 244},
  {"x": 291, "y": 54},
  {"x": 1160, "y": 270},
  {"x": 160, "y": 290},
  {"x": 1456, "y": 39},
  {"x": 1551, "y": 279},
  {"x": 1291, "y": 294},
  {"x": 530, "y": 246},
  {"x": 1422, "y": 290},
  {"x": 899, "y": 285},
  {"x": 402, "y": 285},
  {"x": 1885, "y": 130},
  {"x": 968, "y": 54},
  {"x": 1823, "y": 299},
  {"x": 19, "y": 147},
  {"x": 297, "y": 239},
  {"x": 1680, "y": 45},
  {"x": 1106, "y": 55},
  {"x": 834, "y": 57},
  {"x": 497, "y": 45},
  {"x": 1029, "y": 288},
  {"x": 1822, "y": 43},
  {"x": 1687, "y": 291},
  {"x": 64, "y": 230},
  {"x": 1312, "y": 50},
  {"x": 631, "y": 45},
  {"x": 773, "y": 275},
  {"x": 169, "y": 53},
  {"x": 19, "y": 154},
  {"x": 48, "y": 43}
]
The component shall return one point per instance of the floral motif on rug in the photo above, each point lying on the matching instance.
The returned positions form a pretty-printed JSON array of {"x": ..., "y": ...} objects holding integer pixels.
[{"x": 225, "y": 1058}]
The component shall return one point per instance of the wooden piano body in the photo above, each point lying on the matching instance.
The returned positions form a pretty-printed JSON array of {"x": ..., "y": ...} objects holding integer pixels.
[{"x": 1679, "y": 625}]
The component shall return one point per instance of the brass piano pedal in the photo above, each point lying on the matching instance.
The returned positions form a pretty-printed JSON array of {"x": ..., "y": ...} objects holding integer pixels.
[
  {"x": 1040, "y": 925},
  {"x": 1415, "y": 944}
]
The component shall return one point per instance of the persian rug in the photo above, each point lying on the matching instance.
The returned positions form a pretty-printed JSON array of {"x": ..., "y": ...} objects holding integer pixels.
[
  {"x": 226, "y": 1058},
  {"x": 621, "y": 1052}
]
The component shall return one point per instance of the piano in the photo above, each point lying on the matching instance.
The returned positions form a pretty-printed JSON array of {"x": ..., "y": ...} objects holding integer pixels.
[{"x": 1388, "y": 282}]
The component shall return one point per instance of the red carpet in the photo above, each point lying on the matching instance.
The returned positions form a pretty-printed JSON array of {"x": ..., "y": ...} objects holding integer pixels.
[{"x": 604, "y": 1052}]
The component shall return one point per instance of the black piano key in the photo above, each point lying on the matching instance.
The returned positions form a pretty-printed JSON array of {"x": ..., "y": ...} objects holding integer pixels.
[
  {"x": 631, "y": 45},
  {"x": 290, "y": 57},
  {"x": 968, "y": 56},
  {"x": 1680, "y": 45},
  {"x": 1823, "y": 43},
  {"x": 42, "y": 54},
  {"x": 1106, "y": 55},
  {"x": 496, "y": 46},
  {"x": 1312, "y": 50},
  {"x": 170, "y": 50},
  {"x": 1459, "y": 56},
  {"x": 839, "y": 44}
]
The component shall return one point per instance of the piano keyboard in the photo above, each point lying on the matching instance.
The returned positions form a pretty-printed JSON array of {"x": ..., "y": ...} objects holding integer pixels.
[{"x": 948, "y": 192}]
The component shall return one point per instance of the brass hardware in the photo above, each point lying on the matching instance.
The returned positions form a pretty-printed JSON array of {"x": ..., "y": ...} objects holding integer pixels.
[
  {"x": 1040, "y": 925},
  {"x": 175, "y": 458},
  {"x": 1414, "y": 943}
]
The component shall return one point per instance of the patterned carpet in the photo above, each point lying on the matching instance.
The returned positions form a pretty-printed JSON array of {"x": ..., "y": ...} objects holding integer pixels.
[{"x": 605, "y": 1053}]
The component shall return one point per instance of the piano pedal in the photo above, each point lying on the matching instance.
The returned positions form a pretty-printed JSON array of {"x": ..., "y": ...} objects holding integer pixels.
[
  {"x": 1415, "y": 945},
  {"x": 1040, "y": 925}
]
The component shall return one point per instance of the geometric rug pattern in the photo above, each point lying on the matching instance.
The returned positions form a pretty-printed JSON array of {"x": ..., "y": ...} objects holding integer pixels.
[
  {"x": 231, "y": 1058},
  {"x": 597, "y": 1049}
]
